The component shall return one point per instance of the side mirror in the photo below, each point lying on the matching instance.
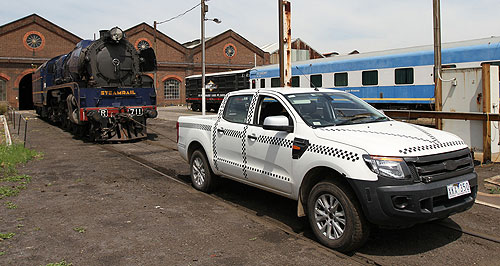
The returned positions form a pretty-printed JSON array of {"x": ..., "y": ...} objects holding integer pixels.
[{"x": 278, "y": 123}]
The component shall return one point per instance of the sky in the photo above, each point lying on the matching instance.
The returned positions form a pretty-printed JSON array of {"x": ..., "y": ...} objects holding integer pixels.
[{"x": 326, "y": 25}]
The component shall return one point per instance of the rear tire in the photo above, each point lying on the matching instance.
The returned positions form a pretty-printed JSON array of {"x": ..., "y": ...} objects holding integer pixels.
[
  {"x": 335, "y": 216},
  {"x": 202, "y": 177}
]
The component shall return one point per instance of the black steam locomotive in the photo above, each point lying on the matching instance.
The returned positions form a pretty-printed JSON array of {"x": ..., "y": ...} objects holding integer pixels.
[{"x": 100, "y": 89}]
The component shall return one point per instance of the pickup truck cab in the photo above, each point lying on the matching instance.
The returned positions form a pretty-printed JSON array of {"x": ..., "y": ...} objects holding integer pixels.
[{"x": 347, "y": 164}]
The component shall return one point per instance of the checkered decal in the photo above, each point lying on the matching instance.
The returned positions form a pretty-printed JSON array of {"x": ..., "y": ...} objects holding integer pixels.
[
  {"x": 432, "y": 146},
  {"x": 287, "y": 143},
  {"x": 234, "y": 133},
  {"x": 434, "y": 139},
  {"x": 273, "y": 175},
  {"x": 196, "y": 126},
  {"x": 377, "y": 133},
  {"x": 243, "y": 138},
  {"x": 214, "y": 132},
  {"x": 334, "y": 152}
]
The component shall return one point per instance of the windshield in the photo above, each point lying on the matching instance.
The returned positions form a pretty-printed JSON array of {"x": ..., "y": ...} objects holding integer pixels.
[{"x": 322, "y": 109}]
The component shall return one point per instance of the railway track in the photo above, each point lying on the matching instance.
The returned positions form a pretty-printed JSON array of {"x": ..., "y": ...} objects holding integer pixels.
[{"x": 261, "y": 219}]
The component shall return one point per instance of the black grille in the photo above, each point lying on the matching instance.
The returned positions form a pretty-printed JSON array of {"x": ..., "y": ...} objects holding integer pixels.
[{"x": 440, "y": 166}]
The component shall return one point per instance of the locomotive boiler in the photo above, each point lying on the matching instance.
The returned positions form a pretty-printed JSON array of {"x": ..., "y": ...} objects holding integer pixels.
[{"x": 100, "y": 90}]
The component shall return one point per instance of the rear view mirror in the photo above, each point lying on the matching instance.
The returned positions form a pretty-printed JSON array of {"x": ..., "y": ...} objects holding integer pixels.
[
  {"x": 278, "y": 123},
  {"x": 148, "y": 60}
]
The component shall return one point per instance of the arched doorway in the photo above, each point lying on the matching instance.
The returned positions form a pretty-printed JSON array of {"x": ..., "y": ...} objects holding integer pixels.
[{"x": 25, "y": 93}]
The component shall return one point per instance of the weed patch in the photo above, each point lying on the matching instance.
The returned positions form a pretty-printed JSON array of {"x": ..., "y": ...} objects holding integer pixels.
[
  {"x": 62, "y": 263},
  {"x": 495, "y": 190},
  {"x": 8, "y": 192},
  {"x": 11, "y": 156},
  {"x": 11, "y": 205},
  {"x": 6, "y": 236},
  {"x": 79, "y": 229}
]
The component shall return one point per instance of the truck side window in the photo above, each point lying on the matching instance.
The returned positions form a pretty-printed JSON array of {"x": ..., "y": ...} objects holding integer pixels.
[
  {"x": 237, "y": 108},
  {"x": 269, "y": 106}
]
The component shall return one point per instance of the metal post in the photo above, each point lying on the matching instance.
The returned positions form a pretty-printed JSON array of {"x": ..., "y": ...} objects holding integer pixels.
[
  {"x": 281, "y": 43},
  {"x": 437, "y": 61},
  {"x": 14, "y": 117},
  {"x": 156, "y": 51},
  {"x": 19, "y": 124},
  {"x": 25, "y": 131},
  {"x": 203, "y": 100}
]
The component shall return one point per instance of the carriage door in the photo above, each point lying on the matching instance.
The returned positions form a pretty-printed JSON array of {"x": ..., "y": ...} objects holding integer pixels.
[{"x": 230, "y": 136}]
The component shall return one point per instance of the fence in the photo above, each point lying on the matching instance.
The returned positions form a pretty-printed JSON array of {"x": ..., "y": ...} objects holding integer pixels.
[{"x": 20, "y": 124}]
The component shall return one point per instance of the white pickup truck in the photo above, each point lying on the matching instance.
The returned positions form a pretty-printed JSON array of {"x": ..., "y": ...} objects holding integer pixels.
[{"x": 347, "y": 164}]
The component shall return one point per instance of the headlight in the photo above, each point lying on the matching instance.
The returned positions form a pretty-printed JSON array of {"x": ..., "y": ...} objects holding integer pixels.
[
  {"x": 116, "y": 34},
  {"x": 393, "y": 167}
]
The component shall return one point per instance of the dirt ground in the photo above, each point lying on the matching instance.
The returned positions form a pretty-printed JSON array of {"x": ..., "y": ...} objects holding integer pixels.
[{"x": 90, "y": 206}]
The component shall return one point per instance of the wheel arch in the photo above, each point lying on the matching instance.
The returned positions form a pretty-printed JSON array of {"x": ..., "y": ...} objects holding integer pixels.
[
  {"x": 193, "y": 146},
  {"x": 316, "y": 175}
]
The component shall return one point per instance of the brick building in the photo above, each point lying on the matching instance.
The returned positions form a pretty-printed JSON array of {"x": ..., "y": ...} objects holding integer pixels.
[{"x": 28, "y": 42}]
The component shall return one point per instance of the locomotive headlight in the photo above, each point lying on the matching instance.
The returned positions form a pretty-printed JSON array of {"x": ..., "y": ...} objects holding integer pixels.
[{"x": 116, "y": 34}]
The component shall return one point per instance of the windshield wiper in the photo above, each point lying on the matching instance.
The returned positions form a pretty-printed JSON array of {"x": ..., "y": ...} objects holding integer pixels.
[
  {"x": 351, "y": 120},
  {"x": 378, "y": 119}
]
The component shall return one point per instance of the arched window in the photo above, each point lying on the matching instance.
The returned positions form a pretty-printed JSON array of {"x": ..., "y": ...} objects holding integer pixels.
[
  {"x": 3, "y": 90},
  {"x": 172, "y": 89}
]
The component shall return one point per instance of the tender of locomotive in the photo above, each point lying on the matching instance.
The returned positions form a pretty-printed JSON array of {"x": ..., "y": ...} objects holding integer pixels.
[{"x": 100, "y": 89}]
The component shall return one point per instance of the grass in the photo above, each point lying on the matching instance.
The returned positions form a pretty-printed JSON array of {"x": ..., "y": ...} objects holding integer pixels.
[
  {"x": 11, "y": 205},
  {"x": 8, "y": 192},
  {"x": 79, "y": 229},
  {"x": 495, "y": 190},
  {"x": 62, "y": 263},
  {"x": 11, "y": 156},
  {"x": 6, "y": 236}
]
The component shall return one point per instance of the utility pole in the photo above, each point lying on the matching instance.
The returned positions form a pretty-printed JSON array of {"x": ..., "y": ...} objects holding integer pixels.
[
  {"x": 203, "y": 100},
  {"x": 437, "y": 61},
  {"x": 285, "y": 35}
]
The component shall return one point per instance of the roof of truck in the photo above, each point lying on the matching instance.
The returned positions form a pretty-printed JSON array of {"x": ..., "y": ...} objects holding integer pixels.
[{"x": 286, "y": 91}]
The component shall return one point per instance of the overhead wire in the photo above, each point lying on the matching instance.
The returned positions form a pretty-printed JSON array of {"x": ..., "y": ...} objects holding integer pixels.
[{"x": 180, "y": 15}]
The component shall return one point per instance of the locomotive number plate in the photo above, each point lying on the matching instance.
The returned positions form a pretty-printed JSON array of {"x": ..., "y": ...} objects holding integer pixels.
[
  {"x": 103, "y": 112},
  {"x": 135, "y": 111}
]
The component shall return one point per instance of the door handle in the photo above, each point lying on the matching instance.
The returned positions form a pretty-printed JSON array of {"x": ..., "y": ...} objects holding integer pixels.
[
  {"x": 220, "y": 130},
  {"x": 252, "y": 137}
]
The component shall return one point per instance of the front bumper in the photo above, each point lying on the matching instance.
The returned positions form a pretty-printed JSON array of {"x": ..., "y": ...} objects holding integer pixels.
[{"x": 424, "y": 201}]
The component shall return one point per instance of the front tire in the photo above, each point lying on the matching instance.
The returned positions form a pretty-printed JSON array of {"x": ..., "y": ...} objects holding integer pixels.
[
  {"x": 202, "y": 177},
  {"x": 335, "y": 217}
]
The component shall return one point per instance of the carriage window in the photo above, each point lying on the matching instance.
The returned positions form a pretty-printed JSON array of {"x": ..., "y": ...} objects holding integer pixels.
[
  {"x": 370, "y": 78},
  {"x": 275, "y": 82},
  {"x": 340, "y": 79},
  {"x": 237, "y": 108},
  {"x": 295, "y": 81},
  {"x": 316, "y": 81},
  {"x": 262, "y": 83},
  {"x": 404, "y": 76},
  {"x": 3, "y": 90}
]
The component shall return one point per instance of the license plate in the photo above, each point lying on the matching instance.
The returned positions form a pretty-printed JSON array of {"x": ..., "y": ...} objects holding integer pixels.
[
  {"x": 135, "y": 111},
  {"x": 458, "y": 189}
]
